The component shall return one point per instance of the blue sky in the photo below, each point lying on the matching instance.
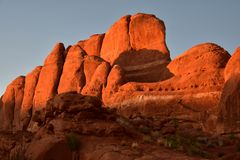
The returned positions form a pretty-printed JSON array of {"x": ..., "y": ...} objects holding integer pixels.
[{"x": 29, "y": 29}]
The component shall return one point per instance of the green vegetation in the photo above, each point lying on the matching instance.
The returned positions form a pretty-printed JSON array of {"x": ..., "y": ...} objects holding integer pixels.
[
  {"x": 18, "y": 153},
  {"x": 73, "y": 141}
]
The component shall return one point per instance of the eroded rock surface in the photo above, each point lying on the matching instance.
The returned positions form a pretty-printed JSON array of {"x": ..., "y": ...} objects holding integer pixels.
[
  {"x": 31, "y": 81},
  {"x": 49, "y": 77},
  {"x": 123, "y": 96},
  {"x": 229, "y": 105},
  {"x": 73, "y": 78},
  {"x": 11, "y": 104},
  {"x": 148, "y": 32},
  {"x": 93, "y": 45}
]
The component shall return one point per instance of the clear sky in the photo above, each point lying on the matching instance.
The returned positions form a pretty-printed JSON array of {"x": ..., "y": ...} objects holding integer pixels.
[{"x": 30, "y": 28}]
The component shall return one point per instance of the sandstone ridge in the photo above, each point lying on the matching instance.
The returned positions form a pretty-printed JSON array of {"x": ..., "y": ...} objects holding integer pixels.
[
  {"x": 123, "y": 83},
  {"x": 128, "y": 65}
]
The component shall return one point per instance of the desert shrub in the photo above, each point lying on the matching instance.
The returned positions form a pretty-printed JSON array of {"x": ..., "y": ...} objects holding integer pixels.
[
  {"x": 238, "y": 146},
  {"x": 18, "y": 153},
  {"x": 147, "y": 139},
  {"x": 172, "y": 141},
  {"x": 73, "y": 141}
]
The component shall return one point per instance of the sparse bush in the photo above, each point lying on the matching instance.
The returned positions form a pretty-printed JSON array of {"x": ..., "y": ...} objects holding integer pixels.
[
  {"x": 18, "y": 153},
  {"x": 155, "y": 134},
  {"x": 172, "y": 141},
  {"x": 144, "y": 129},
  {"x": 74, "y": 145},
  {"x": 232, "y": 136},
  {"x": 73, "y": 141},
  {"x": 238, "y": 147},
  {"x": 135, "y": 145},
  {"x": 147, "y": 139},
  {"x": 175, "y": 123}
]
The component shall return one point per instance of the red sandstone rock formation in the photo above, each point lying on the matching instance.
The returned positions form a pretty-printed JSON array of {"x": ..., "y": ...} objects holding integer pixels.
[
  {"x": 116, "y": 40},
  {"x": 93, "y": 45},
  {"x": 12, "y": 101},
  {"x": 199, "y": 67},
  {"x": 147, "y": 32},
  {"x": 134, "y": 33},
  {"x": 192, "y": 92},
  {"x": 229, "y": 105},
  {"x": 72, "y": 78},
  {"x": 98, "y": 80},
  {"x": 197, "y": 72},
  {"x": 129, "y": 69},
  {"x": 94, "y": 67},
  {"x": 49, "y": 77},
  {"x": 233, "y": 65},
  {"x": 31, "y": 81}
]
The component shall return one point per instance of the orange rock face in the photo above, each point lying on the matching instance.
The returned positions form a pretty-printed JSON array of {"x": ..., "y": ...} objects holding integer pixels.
[
  {"x": 229, "y": 104},
  {"x": 72, "y": 78},
  {"x": 92, "y": 46},
  {"x": 116, "y": 40},
  {"x": 129, "y": 68},
  {"x": 199, "y": 67},
  {"x": 140, "y": 32},
  {"x": 92, "y": 66},
  {"x": 12, "y": 101},
  {"x": 147, "y": 32},
  {"x": 233, "y": 66},
  {"x": 29, "y": 90},
  {"x": 98, "y": 80},
  {"x": 115, "y": 79},
  {"x": 49, "y": 77}
]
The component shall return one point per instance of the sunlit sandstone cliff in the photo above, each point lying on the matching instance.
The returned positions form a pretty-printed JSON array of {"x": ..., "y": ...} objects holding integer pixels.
[{"x": 129, "y": 68}]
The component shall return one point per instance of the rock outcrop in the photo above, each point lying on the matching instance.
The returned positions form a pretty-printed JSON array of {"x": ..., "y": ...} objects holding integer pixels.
[
  {"x": 116, "y": 40},
  {"x": 96, "y": 71},
  {"x": 122, "y": 85},
  {"x": 98, "y": 80},
  {"x": 131, "y": 34},
  {"x": 49, "y": 77},
  {"x": 233, "y": 65},
  {"x": 147, "y": 32},
  {"x": 72, "y": 78},
  {"x": 11, "y": 104},
  {"x": 192, "y": 90},
  {"x": 201, "y": 66},
  {"x": 93, "y": 45},
  {"x": 229, "y": 105},
  {"x": 31, "y": 81}
]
